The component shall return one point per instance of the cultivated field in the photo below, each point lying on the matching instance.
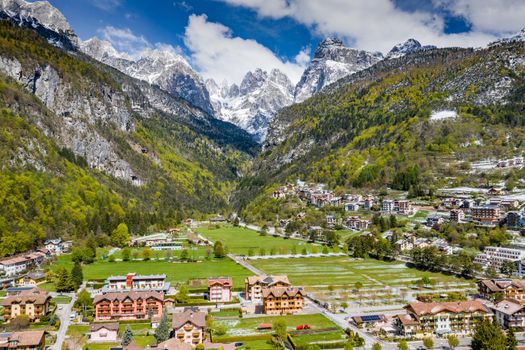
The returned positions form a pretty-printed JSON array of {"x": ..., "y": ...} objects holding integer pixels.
[
  {"x": 240, "y": 241},
  {"x": 175, "y": 271},
  {"x": 334, "y": 279}
]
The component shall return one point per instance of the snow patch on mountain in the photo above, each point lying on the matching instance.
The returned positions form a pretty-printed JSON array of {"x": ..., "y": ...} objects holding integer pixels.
[
  {"x": 162, "y": 66},
  {"x": 254, "y": 103},
  {"x": 332, "y": 61},
  {"x": 408, "y": 47},
  {"x": 519, "y": 36}
]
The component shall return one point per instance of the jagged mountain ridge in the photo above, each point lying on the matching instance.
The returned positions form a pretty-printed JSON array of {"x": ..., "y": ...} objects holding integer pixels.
[
  {"x": 332, "y": 61},
  {"x": 254, "y": 103},
  {"x": 370, "y": 125},
  {"x": 160, "y": 66}
]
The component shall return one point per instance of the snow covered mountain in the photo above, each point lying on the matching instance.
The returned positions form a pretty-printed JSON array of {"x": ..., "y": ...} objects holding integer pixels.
[
  {"x": 161, "y": 66},
  {"x": 254, "y": 103},
  {"x": 41, "y": 16},
  {"x": 519, "y": 36},
  {"x": 408, "y": 47},
  {"x": 332, "y": 61}
]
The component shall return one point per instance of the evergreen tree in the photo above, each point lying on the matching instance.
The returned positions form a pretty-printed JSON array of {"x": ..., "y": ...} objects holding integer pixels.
[
  {"x": 511, "y": 340},
  {"x": 127, "y": 338},
  {"x": 218, "y": 250},
  {"x": 76, "y": 275},
  {"x": 488, "y": 336},
  {"x": 162, "y": 332},
  {"x": 63, "y": 280}
]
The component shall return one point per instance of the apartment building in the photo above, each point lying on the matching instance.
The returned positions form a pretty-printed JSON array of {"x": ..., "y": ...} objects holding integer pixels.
[
  {"x": 27, "y": 340},
  {"x": 502, "y": 288},
  {"x": 515, "y": 220},
  {"x": 220, "y": 289},
  {"x": 401, "y": 207},
  {"x": 495, "y": 256},
  {"x": 486, "y": 214},
  {"x": 189, "y": 326},
  {"x": 509, "y": 314},
  {"x": 357, "y": 223},
  {"x": 458, "y": 317},
  {"x": 134, "y": 282},
  {"x": 254, "y": 285},
  {"x": 128, "y": 305},
  {"x": 457, "y": 215},
  {"x": 283, "y": 300},
  {"x": 34, "y": 303}
]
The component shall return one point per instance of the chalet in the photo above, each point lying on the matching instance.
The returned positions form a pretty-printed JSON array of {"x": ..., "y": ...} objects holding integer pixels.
[
  {"x": 457, "y": 215},
  {"x": 33, "y": 303},
  {"x": 255, "y": 285},
  {"x": 32, "y": 279},
  {"x": 495, "y": 191},
  {"x": 55, "y": 246},
  {"x": 27, "y": 340},
  {"x": 103, "y": 332},
  {"x": 189, "y": 326},
  {"x": 457, "y": 317},
  {"x": 283, "y": 300},
  {"x": 500, "y": 288},
  {"x": 220, "y": 289},
  {"x": 128, "y": 305},
  {"x": 357, "y": 223},
  {"x": 509, "y": 313}
]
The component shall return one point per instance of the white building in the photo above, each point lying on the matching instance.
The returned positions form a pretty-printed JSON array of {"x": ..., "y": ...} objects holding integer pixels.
[{"x": 495, "y": 256}]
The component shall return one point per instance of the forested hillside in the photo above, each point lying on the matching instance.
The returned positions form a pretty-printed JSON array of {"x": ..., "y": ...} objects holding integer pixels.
[
  {"x": 84, "y": 147},
  {"x": 375, "y": 128}
]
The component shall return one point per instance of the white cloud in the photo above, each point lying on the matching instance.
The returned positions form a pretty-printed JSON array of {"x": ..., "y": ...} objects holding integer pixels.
[
  {"x": 106, "y": 5},
  {"x": 379, "y": 24},
  {"x": 219, "y": 55},
  {"x": 494, "y": 16},
  {"x": 124, "y": 40}
]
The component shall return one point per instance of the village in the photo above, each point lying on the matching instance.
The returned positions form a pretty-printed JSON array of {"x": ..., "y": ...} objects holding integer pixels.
[{"x": 223, "y": 283}]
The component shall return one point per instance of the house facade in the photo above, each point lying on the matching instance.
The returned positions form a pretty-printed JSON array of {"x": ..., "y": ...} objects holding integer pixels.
[
  {"x": 458, "y": 317},
  {"x": 486, "y": 214},
  {"x": 128, "y": 305},
  {"x": 33, "y": 303},
  {"x": 500, "y": 288},
  {"x": 255, "y": 285},
  {"x": 103, "y": 332},
  {"x": 509, "y": 314},
  {"x": 283, "y": 300},
  {"x": 220, "y": 289},
  {"x": 189, "y": 326},
  {"x": 28, "y": 340}
]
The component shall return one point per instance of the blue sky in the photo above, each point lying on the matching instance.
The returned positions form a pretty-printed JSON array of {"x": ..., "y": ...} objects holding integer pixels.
[{"x": 206, "y": 31}]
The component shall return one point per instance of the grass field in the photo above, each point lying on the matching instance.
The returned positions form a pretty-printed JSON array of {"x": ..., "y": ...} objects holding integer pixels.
[
  {"x": 248, "y": 326},
  {"x": 240, "y": 240},
  {"x": 346, "y": 271},
  {"x": 175, "y": 272}
]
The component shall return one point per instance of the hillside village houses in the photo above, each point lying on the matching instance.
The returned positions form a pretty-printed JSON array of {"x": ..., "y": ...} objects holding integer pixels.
[
  {"x": 508, "y": 288},
  {"x": 33, "y": 303}
]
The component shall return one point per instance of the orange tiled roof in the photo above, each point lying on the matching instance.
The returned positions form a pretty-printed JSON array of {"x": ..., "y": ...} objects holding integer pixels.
[{"x": 421, "y": 309}]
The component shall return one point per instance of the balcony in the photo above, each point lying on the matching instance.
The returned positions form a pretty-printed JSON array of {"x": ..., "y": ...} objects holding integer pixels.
[{"x": 180, "y": 335}]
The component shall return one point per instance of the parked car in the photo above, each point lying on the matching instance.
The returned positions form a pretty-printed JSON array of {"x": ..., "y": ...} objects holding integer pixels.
[{"x": 305, "y": 326}]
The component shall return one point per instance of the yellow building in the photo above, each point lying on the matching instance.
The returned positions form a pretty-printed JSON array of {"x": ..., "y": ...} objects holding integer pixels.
[
  {"x": 33, "y": 303},
  {"x": 283, "y": 300},
  {"x": 254, "y": 285}
]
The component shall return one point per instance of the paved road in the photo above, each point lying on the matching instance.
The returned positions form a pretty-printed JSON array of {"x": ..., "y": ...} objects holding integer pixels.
[{"x": 63, "y": 314}]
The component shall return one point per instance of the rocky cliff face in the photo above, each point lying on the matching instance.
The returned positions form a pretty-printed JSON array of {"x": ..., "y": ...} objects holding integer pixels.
[
  {"x": 332, "y": 61},
  {"x": 42, "y": 17},
  {"x": 254, "y": 103},
  {"x": 161, "y": 66}
]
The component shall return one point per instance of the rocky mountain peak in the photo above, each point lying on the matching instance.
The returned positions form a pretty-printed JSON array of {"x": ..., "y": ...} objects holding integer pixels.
[
  {"x": 43, "y": 17},
  {"x": 253, "y": 80},
  {"x": 408, "y": 47},
  {"x": 519, "y": 36},
  {"x": 332, "y": 61}
]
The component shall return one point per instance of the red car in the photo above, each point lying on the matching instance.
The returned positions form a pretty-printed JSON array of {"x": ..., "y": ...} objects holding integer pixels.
[{"x": 304, "y": 326}]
